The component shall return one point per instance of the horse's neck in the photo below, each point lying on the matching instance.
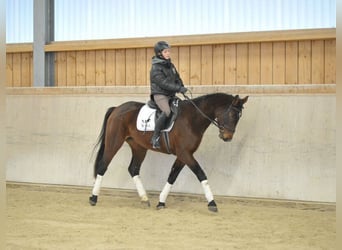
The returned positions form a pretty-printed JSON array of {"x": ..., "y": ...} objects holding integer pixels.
[
  {"x": 207, "y": 110},
  {"x": 211, "y": 103}
]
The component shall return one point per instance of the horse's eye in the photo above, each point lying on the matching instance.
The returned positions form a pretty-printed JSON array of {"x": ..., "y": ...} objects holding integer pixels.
[{"x": 235, "y": 115}]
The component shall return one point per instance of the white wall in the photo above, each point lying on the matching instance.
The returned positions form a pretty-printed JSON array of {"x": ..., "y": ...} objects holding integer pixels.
[{"x": 284, "y": 147}]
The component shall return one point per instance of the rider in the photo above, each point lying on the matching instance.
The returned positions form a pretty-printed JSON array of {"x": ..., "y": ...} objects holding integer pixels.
[{"x": 165, "y": 83}]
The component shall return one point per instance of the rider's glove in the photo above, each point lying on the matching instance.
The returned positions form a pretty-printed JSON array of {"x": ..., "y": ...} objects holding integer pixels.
[{"x": 183, "y": 90}]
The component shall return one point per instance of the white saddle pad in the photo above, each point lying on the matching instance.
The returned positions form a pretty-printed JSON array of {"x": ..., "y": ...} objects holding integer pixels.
[{"x": 146, "y": 119}]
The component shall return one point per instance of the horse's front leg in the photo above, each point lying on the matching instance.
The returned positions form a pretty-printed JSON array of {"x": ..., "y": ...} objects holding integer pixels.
[
  {"x": 201, "y": 176},
  {"x": 175, "y": 170},
  {"x": 141, "y": 190}
]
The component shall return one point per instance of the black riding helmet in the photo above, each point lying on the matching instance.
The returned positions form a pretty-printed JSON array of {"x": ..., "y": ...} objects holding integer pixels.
[{"x": 159, "y": 47}]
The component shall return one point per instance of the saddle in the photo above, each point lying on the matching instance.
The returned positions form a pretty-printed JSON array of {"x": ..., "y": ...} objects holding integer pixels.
[{"x": 150, "y": 112}]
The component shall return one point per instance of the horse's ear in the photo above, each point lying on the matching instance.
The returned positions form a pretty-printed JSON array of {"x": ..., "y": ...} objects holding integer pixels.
[
  {"x": 236, "y": 100},
  {"x": 244, "y": 100}
]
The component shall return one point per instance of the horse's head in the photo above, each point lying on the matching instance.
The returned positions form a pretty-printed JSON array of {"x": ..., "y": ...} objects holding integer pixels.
[{"x": 230, "y": 117}]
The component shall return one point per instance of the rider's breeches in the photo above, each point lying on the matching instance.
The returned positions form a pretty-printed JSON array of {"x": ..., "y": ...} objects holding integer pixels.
[{"x": 163, "y": 103}]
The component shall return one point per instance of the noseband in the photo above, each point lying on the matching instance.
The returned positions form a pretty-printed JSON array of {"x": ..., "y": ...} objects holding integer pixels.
[{"x": 225, "y": 116}]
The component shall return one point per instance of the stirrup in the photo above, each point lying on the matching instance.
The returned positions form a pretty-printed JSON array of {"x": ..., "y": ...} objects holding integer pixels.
[{"x": 155, "y": 142}]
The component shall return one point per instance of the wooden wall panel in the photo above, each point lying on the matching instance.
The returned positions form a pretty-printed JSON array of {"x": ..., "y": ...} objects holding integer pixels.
[
  {"x": 254, "y": 59},
  {"x": 230, "y": 64},
  {"x": 90, "y": 68},
  {"x": 195, "y": 65},
  {"x": 141, "y": 67},
  {"x": 100, "y": 68},
  {"x": 330, "y": 61},
  {"x": 279, "y": 63},
  {"x": 291, "y": 55},
  {"x": 130, "y": 67},
  {"x": 149, "y": 55},
  {"x": 184, "y": 64},
  {"x": 16, "y": 70},
  {"x": 110, "y": 67},
  {"x": 175, "y": 56},
  {"x": 304, "y": 62},
  {"x": 26, "y": 69},
  {"x": 120, "y": 63},
  {"x": 71, "y": 68},
  {"x": 218, "y": 64},
  {"x": 9, "y": 69},
  {"x": 80, "y": 68},
  {"x": 317, "y": 69},
  {"x": 241, "y": 63},
  {"x": 19, "y": 69},
  {"x": 287, "y": 61},
  {"x": 206, "y": 64},
  {"x": 266, "y": 63},
  {"x": 61, "y": 69}
]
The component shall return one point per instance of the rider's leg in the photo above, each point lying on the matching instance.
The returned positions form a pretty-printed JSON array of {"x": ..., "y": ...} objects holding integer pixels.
[
  {"x": 163, "y": 103},
  {"x": 160, "y": 123}
]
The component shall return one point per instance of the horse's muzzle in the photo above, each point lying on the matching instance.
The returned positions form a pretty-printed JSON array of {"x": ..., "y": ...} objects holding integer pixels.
[{"x": 226, "y": 136}]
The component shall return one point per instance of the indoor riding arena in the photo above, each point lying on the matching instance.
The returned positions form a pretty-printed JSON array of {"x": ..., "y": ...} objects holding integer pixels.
[{"x": 274, "y": 183}]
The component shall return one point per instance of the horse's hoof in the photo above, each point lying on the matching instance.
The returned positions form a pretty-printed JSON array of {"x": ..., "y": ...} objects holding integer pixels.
[
  {"x": 161, "y": 205},
  {"x": 93, "y": 200},
  {"x": 212, "y": 206},
  {"x": 147, "y": 203}
]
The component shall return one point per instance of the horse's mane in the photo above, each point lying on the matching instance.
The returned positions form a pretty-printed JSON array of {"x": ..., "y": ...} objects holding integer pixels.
[{"x": 215, "y": 96}]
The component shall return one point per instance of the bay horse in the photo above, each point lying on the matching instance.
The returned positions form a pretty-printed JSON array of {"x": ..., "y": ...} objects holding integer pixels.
[{"x": 194, "y": 117}]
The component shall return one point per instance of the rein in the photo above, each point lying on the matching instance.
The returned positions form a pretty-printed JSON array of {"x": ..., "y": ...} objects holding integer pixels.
[{"x": 204, "y": 115}]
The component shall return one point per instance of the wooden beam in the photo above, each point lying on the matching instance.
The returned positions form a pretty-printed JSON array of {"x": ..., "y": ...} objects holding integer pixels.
[
  {"x": 148, "y": 42},
  {"x": 19, "y": 47},
  {"x": 125, "y": 91},
  {"x": 226, "y": 38}
]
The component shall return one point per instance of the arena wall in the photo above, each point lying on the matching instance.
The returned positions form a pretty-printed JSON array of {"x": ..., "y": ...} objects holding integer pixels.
[
  {"x": 284, "y": 146},
  {"x": 245, "y": 58}
]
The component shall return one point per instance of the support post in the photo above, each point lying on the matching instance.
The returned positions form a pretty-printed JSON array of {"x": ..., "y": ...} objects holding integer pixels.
[{"x": 43, "y": 33}]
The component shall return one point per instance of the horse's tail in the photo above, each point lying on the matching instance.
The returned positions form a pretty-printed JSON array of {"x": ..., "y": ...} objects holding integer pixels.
[{"x": 101, "y": 141}]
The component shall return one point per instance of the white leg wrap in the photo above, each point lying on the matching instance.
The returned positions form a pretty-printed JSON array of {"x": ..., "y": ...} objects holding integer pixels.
[
  {"x": 97, "y": 185},
  {"x": 207, "y": 192},
  {"x": 165, "y": 192},
  {"x": 139, "y": 186}
]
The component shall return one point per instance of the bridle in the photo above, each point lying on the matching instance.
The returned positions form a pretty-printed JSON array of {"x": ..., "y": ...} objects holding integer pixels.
[{"x": 225, "y": 117}]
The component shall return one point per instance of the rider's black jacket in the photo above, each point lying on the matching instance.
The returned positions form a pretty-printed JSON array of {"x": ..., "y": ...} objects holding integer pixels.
[{"x": 164, "y": 77}]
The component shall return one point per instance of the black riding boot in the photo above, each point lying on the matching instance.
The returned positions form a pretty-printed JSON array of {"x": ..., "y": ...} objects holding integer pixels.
[{"x": 160, "y": 123}]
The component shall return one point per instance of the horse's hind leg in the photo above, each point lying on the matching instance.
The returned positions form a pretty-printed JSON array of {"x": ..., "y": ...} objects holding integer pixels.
[
  {"x": 103, "y": 165},
  {"x": 138, "y": 156},
  {"x": 175, "y": 170},
  {"x": 105, "y": 156}
]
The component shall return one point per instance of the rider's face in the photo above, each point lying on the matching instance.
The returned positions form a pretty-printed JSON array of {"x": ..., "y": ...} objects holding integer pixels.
[{"x": 166, "y": 53}]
